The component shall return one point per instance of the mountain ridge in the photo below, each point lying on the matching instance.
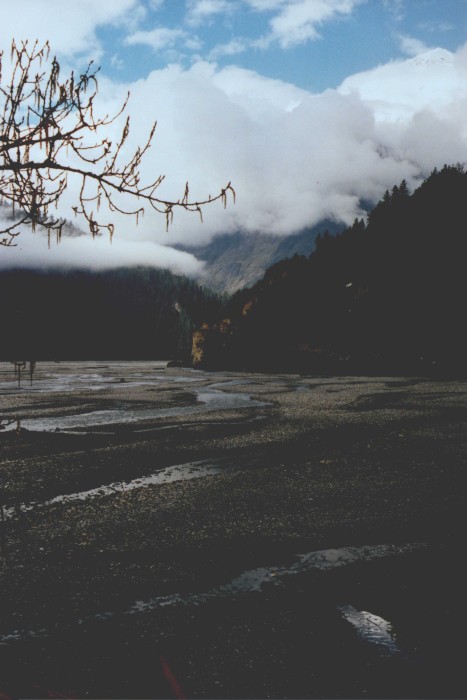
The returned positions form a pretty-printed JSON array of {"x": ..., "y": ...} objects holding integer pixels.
[{"x": 237, "y": 260}]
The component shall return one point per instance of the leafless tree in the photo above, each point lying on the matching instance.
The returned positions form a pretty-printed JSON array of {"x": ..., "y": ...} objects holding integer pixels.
[{"x": 49, "y": 131}]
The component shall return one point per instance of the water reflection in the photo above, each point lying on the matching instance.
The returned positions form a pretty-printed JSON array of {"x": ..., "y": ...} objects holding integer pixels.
[
  {"x": 177, "y": 472},
  {"x": 371, "y": 628},
  {"x": 257, "y": 580},
  {"x": 207, "y": 400}
]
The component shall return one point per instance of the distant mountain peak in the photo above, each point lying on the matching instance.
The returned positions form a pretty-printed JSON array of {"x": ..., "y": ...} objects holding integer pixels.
[{"x": 432, "y": 57}]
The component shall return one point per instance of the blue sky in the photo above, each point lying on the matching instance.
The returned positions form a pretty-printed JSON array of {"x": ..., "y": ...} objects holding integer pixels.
[
  {"x": 359, "y": 36},
  {"x": 309, "y": 107}
]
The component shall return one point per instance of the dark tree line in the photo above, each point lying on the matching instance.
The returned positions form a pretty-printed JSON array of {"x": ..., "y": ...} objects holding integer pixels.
[
  {"x": 127, "y": 313},
  {"x": 386, "y": 294}
]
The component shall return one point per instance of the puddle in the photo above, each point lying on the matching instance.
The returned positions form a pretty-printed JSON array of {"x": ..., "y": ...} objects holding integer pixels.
[
  {"x": 255, "y": 580},
  {"x": 214, "y": 398},
  {"x": 371, "y": 628},
  {"x": 177, "y": 472}
]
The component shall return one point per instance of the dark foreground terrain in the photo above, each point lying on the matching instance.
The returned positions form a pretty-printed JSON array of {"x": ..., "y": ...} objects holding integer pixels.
[{"x": 170, "y": 533}]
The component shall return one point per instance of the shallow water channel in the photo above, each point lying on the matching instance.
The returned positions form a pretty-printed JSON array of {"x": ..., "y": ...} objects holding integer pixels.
[
  {"x": 207, "y": 399},
  {"x": 129, "y": 378}
]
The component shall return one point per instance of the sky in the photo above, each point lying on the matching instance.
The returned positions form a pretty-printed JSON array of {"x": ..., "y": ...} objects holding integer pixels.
[{"x": 311, "y": 108}]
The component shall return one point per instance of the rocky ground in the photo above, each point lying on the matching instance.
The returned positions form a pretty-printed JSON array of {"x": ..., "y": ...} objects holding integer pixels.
[{"x": 156, "y": 523}]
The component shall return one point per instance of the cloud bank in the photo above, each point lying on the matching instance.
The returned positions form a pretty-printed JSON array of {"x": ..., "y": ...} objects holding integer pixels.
[
  {"x": 82, "y": 251},
  {"x": 74, "y": 25},
  {"x": 293, "y": 157}
]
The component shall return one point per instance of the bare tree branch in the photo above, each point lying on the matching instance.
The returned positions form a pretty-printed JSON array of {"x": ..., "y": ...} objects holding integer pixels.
[{"x": 43, "y": 121}]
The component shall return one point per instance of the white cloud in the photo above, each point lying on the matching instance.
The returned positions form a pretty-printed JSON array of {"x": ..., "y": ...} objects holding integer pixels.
[
  {"x": 83, "y": 251},
  {"x": 435, "y": 26},
  {"x": 267, "y": 5},
  {"x": 293, "y": 22},
  {"x": 158, "y": 38},
  {"x": 297, "y": 21},
  {"x": 117, "y": 62},
  {"x": 73, "y": 25},
  {"x": 296, "y": 158},
  {"x": 399, "y": 89},
  {"x": 231, "y": 48},
  {"x": 262, "y": 98},
  {"x": 411, "y": 46},
  {"x": 200, "y": 11}
]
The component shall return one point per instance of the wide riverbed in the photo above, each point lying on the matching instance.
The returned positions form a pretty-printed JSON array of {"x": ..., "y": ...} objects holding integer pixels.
[{"x": 170, "y": 532}]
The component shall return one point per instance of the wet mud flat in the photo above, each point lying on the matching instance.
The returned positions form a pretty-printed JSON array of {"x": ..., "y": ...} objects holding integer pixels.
[{"x": 175, "y": 533}]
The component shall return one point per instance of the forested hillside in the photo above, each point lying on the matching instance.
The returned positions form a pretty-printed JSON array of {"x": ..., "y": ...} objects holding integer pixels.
[
  {"x": 127, "y": 313},
  {"x": 389, "y": 294}
]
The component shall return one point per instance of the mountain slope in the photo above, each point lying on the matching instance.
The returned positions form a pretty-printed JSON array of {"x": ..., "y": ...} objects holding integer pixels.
[
  {"x": 238, "y": 260},
  {"x": 386, "y": 295}
]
